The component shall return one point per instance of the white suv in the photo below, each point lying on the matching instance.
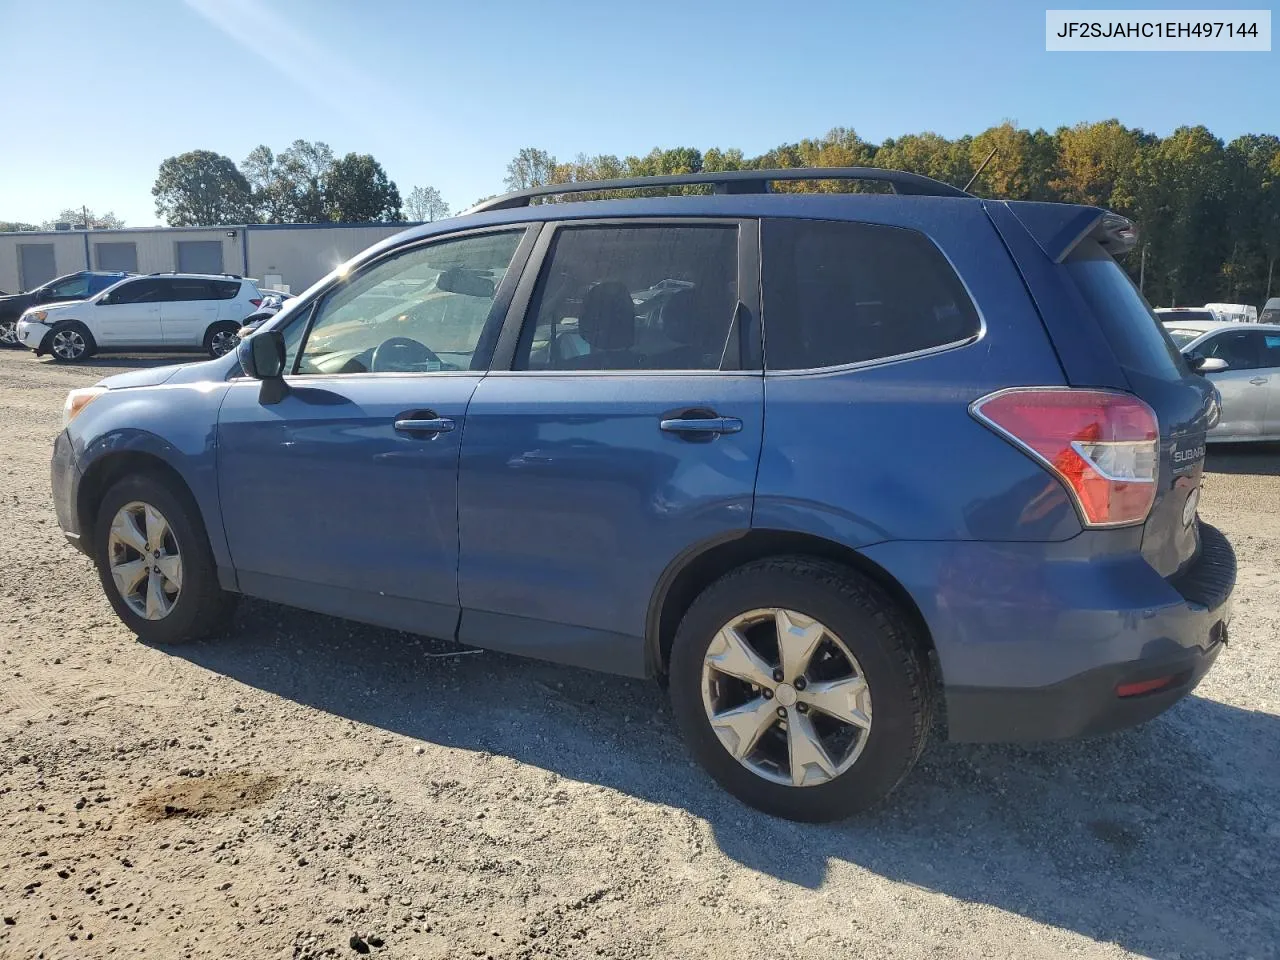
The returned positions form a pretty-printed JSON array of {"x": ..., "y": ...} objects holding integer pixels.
[{"x": 172, "y": 311}]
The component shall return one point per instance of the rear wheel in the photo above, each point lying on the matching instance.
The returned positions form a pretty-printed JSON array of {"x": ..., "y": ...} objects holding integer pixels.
[
  {"x": 221, "y": 338},
  {"x": 800, "y": 687},
  {"x": 70, "y": 342},
  {"x": 155, "y": 563},
  {"x": 9, "y": 332}
]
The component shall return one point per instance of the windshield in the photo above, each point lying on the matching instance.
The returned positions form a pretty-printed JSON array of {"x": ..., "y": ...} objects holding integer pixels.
[{"x": 1181, "y": 338}]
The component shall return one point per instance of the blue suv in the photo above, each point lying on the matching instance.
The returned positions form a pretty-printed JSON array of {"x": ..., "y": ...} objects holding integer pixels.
[{"x": 836, "y": 468}]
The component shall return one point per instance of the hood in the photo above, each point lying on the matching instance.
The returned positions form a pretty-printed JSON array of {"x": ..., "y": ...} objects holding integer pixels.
[
  {"x": 14, "y": 304},
  {"x": 59, "y": 306},
  {"x": 214, "y": 370}
]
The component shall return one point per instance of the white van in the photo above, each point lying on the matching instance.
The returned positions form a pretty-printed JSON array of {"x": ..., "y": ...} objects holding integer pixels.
[{"x": 1233, "y": 312}]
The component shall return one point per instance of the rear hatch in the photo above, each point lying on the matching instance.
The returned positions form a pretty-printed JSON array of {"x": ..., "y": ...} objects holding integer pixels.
[{"x": 1085, "y": 296}]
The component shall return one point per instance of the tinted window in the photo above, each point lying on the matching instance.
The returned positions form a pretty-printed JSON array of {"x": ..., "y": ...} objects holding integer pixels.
[
  {"x": 225, "y": 289},
  {"x": 1241, "y": 349},
  {"x": 420, "y": 312},
  {"x": 1194, "y": 316},
  {"x": 139, "y": 291},
  {"x": 837, "y": 293},
  {"x": 181, "y": 288},
  {"x": 1181, "y": 338},
  {"x": 1127, "y": 321},
  {"x": 633, "y": 298},
  {"x": 71, "y": 288},
  {"x": 1271, "y": 350}
]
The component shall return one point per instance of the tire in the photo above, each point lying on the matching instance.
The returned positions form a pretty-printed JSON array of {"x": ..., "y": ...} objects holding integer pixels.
[
  {"x": 220, "y": 339},
  {"x": 866, "y": 624},
  {"x": 200, "y": 607},
  {"x": 9, "y": 332},
  {"x": 73, "y": 339}
]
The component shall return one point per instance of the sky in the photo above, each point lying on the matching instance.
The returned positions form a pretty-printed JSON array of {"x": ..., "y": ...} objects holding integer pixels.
[{"x": 444, "y": 93}]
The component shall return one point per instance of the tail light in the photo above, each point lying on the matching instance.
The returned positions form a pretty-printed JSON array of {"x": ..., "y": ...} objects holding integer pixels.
[
  {"x": 257, "y": 302},
  {"x": 1104, "y": 446}
]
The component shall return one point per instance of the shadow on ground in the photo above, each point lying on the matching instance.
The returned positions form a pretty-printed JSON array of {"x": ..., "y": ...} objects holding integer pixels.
[
  {"x": 1164, "y": 840},
  {"x": 1257, "y": 459}
]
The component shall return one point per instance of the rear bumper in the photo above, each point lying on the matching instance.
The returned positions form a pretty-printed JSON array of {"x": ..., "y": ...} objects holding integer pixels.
[{"x": 1034, "y": 639}]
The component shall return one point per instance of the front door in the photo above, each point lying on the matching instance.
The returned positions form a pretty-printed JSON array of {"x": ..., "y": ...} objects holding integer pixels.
[
  {"x": 342, "y": 496},
  {"x": 129, "y": 316},
  {"x": 1244, "y": 385},
  {"x": 624, "y": 434}
]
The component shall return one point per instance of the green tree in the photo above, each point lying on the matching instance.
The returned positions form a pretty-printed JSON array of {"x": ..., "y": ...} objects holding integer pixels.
[
  {"x": 201, "y": 188},
  {"x": 272, "y": 195},
  {"x": 78, "y": 215},
  {"x": 530, "y": 167},
  {"x": 16, "y": 226},
  {"x": 357, "y": 190},
  {"x": 1093, "y": 158},
  {"x": 1022, "y": 166},
  {"x": 304, "y": 171},
  {"x": 930, "y": 155},
  {"x": 425, "y": 203}
]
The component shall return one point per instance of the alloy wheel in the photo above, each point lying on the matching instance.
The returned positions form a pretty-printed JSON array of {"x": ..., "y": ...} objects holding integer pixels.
[
  {"x": 145, "y": 561},
  {"x": 222, "y": 342},
  {"x": 8, "y": 332},
  {"x": 69, "y": 344},
  {"x": 786, "y": 697}
]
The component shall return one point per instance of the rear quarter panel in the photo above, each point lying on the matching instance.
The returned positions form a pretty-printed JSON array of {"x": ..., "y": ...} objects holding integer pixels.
[{"x": 889, "y": 451}]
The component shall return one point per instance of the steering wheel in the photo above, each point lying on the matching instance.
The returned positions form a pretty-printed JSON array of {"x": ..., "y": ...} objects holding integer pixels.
[{"x": 401, "y": 355}]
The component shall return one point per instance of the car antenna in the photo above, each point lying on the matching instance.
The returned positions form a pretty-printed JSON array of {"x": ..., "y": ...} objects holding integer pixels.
[{"x": 977, "y": 173}]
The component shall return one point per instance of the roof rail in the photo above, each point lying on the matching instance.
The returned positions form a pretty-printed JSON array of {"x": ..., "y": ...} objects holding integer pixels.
[{"x": 731, "y": 181}]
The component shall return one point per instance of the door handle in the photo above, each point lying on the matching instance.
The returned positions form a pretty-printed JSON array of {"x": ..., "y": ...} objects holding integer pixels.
[
  {"x": 691, "y": 427},
  {"x": 1258, "y": 380},
  {"x": 432, "y": 425}
]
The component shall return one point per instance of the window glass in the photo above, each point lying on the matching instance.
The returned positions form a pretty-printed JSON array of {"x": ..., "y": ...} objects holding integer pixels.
[
  {"x": 837, "y": 292},
  {"x": 182, "y": 288},
  {"x": 633, "y": 298},
  {"x": 98, "y": 284},
  {"x": 224, "y": 289},
  {"x": 420, "y": 312},
  {"x": 72, "y": 287},
  {"x": 1240, "y": 348},
  {"x": 139, "y": 291},
  {"x": 1181, "y": 338},
  {"x": 1139, "y": 340}
]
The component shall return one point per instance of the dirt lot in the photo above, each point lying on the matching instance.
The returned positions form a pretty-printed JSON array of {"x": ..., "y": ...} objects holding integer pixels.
[{"x": 307, "y": 781}]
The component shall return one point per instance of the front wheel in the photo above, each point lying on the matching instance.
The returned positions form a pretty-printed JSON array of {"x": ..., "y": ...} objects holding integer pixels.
[
  {"x": 800, "y": 687},
  {"x": 70, "y": 342},
  {"x": 155, "y": 563},
  {"x": 9, "y": 333}
]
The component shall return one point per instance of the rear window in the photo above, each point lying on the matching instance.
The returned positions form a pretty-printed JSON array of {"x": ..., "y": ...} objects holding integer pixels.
[
  {"x": 838, "y": 292},
  {"x": 1138, "y": 339},
  {"x": 1186, "y": 316}
]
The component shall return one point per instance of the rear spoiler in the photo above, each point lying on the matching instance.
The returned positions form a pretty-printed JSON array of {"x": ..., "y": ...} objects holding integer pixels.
[{"x": 1058, "y": 228}]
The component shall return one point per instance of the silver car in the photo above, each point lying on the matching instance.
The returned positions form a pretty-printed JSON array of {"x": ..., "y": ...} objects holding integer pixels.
[{"x": 1243, "y": 361}]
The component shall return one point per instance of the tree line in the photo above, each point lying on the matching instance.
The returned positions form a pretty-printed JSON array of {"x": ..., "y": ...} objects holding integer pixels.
[
  {"x": 305, "y": 183},
  {"x": 1208, "y": 212}
]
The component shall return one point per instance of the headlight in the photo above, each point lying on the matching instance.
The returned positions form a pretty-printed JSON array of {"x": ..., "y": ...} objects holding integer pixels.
[
  {"x": 35, "y": 316},
  {"x": 77, "y": 400}
]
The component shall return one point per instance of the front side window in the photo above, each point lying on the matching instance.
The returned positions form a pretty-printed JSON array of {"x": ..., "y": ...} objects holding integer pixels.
[
  {"x": 841, "y": 292},
  {"x": 72, "y": 288},
  {"x": 1242, "y": 349},
  {"x": 641, "y": 297},
  {"x": 422, "y": 311}
]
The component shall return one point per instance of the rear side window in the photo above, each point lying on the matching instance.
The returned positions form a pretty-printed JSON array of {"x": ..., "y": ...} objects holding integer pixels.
[
  {"x": 1138, "y": 339},
  {"x": 838, "y": 293},
  {"x": 183, "y": 289},
  {"x": 225, "y": 289},
  {"x": 653, "y": 297}
]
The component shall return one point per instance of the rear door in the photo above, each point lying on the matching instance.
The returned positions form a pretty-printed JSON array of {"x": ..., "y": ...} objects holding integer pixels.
[
  {"x": 191, "y": 310},
  {"x": 129, "y": 315},
  {"x": 625, "y": 430},
  {"x": 1244, "y": 386}
]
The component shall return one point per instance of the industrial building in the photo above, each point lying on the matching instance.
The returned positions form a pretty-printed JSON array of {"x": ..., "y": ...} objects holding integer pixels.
[{"x": 287, "y": 256}]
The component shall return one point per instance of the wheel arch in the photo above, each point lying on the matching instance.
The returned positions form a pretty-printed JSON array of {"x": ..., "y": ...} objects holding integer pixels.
[
  {"x": 101, "y": 474},
  {"x": 699, "y": 567},
  {"x": 209, "y": 330},
  {"x": 91, "y": 340}
]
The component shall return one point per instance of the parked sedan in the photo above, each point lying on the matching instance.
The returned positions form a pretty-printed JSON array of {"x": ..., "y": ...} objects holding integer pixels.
[{"x": 1243, "y": 361}]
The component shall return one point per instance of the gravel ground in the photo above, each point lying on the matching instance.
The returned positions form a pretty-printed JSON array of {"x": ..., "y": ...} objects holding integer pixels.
[{"x": 309, "y": 787}]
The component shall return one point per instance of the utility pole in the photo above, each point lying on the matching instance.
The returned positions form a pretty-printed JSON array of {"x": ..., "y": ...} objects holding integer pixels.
[
  {"x": 1142, "y": 272},
  {"x": 84, "y": 216},
  {"x": 1271, "y": 269}
]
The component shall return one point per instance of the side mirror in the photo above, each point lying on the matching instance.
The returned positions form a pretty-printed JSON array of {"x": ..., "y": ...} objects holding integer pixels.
[
  {"x": 262, "y": 358},
  {"x": 1211, "y": 365}
]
